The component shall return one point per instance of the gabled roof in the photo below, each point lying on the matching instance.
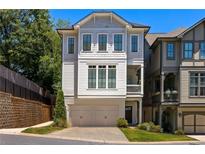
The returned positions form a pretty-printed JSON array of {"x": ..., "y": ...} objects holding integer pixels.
[
  {"x": 134, "y": 25},
  {"x": 154, "y": 37},
  {"x": 193, "y": 26}
]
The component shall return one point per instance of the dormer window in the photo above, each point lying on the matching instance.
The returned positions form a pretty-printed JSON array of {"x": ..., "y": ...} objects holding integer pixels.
[
  {"x": 134, "y": 43},
  {"x": 86, "y": 42},
  {"x": 117, "y": 42},
  {"x": 102, "y": 42}
]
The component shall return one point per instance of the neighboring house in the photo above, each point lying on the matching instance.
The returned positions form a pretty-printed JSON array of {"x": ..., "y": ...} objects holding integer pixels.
[
  {"x": 102, "y": 70},
  {"x": 175, "y": 79}
]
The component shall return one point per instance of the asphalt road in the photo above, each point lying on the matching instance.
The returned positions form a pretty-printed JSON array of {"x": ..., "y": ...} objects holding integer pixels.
[{"x": 30, "y": 140}]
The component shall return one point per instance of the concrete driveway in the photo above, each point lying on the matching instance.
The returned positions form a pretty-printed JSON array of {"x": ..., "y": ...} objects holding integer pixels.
[
  {"x": 102, "y": 134},
  {"x": 198, "y": 137}
]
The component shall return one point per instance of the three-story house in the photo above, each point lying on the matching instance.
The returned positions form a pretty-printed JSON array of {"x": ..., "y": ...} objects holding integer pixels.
[
  {"x": 175, "y": 79},
  {"x": 102, "y": 70}
]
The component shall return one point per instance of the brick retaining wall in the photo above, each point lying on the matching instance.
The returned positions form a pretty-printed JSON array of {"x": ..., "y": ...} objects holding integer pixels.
[{"x": 18, "y": 112}]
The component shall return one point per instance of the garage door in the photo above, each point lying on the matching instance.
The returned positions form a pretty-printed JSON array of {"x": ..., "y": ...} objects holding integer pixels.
[
  {"x": 94, "y": 115},
  {"x": 194, "y": 123}
]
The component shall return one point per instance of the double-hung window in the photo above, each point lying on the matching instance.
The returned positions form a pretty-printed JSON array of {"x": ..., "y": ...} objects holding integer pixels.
[
  {"x": 188, "y": 50},
  {"x": 197, "y": 84},
  {"x": 86, "y": 42},
  {"x": 134, "y": 43},
  {"x": 170, "y": 51},
  {"x": 71, "y": 45},
  {"x": 117, "y": 42},
  {"x": 102, "y": 76},
  {"x": 202, "y": 50},
  {"x": 111, "y": 76},
  {"x": 91, "y": 76},
  {"x": 102, "y": 42}
]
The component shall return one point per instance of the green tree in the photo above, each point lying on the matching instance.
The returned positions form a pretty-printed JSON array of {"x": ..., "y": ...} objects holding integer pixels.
[
  {"x": 30, "y": 45},
  {"x": 60, "y": 111}
]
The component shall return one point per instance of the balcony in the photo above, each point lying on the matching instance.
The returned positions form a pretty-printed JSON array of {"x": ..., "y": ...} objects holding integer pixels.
[
  {"x": 133, "y": 89},
  {"x": 171, "y": 96},
  {"x": 134, "y": 76}
]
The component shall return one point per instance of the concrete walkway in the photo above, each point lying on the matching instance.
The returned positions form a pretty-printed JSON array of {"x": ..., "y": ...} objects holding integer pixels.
[
  {"x": 198, "y": 137},
  {"x": 97, "y": 134},
  {"x": 19, "y": 130}
]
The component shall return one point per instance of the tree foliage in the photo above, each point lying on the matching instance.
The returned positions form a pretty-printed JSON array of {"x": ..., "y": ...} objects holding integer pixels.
[
  {"x": 30, "y": 45},
  {"x": 60, "y": 112}
]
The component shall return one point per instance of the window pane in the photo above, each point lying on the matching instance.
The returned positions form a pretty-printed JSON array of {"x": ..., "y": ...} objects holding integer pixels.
[
  {"x": 194, "y": 81},
  {"x": 87, "y": 42},
  {"x": 102, "y": 41},
  {"x": 202, "y": 91},
  {"x": 134, "y": 43},
  {"x": 118, "y": 42},
  {"x": 202, "y": 50},
  {"x": 193, "y": 91},
  {"x": 70, "y": 45},
  {"x": 188, "y": 50},
  {"x": 92, "y": 77},
  {"x": 102, "y": 77},
  {"x": 111, "y": 77},
  {"x": 170, "y": 51}
]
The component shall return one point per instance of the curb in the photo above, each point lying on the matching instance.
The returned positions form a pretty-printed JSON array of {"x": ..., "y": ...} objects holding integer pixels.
[{"x": 104, "y": 141}]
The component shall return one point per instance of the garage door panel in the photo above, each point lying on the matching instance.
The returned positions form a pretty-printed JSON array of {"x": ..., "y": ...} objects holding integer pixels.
[
  {"x": 189, "y": 129},
  {"x": 200, "y": 119},
  {"x": 93, "y": 115},
  {"x": 194, "y": 123},
  {"x": 188, "y": 119},
  {"x": 200, "y": 129}
]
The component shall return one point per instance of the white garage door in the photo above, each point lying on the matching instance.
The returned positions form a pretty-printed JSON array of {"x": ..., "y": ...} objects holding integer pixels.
[
  {"x": 91, "y": 115},
  {"x": 194, "y": 123}
]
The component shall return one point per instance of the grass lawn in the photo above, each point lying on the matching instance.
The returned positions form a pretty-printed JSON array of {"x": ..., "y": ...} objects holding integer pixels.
[
  {"x": 42, "y": 130},
  {"x": 137, "y": 135}
]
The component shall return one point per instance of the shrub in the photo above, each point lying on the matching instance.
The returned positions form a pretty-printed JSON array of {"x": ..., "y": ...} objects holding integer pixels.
[
  {"x": 143, "y": 126},
  {"x": 179, "y": 132},
  {"x": 60, "y": 111},
  {"x": 121, "y": 122},
  {"x": 156, "y": 129},
  {"x": 149, "y": 126}
]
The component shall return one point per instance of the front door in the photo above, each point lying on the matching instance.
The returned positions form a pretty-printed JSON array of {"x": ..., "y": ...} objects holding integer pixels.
[{"x": 128, "y": 114}]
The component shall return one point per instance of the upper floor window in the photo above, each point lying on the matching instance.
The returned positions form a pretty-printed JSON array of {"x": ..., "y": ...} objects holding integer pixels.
[
  {"x": 117, "y": 42},
  {"x": 197, "y": 84},
  {"x": 86, "y": 42},
  {"x": 188, "y": 50},
  {"x": 202, "y": 50},
  {"x": 170, "y": 51},
  {"x": 102, "y": 42},
  {"x": 91, "y": 76},
  {"x": 134, "y": 43},
  {"x": 71, "y": 45}
]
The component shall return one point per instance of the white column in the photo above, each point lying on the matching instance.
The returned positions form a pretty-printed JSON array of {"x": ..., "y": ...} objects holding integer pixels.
[
  {"x": 140, "y": 111},
  {"x": 142, "y": 79},
  {"x": 162, "y": 87}
]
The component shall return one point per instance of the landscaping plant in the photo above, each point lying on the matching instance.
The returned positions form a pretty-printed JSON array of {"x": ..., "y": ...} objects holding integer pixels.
[
  {"x": 60, "y": 111},
  {"x": 122, "y": 123}
]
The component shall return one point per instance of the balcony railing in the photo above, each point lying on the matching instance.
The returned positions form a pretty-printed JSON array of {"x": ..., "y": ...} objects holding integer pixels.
[{"x": 133, "y": 89}]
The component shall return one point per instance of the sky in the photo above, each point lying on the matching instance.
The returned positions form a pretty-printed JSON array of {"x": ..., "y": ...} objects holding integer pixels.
[{"x": 159, "y": 20}]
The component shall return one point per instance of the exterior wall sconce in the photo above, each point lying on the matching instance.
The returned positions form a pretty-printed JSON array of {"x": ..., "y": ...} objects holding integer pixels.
[{"x": 180, "y": 114}]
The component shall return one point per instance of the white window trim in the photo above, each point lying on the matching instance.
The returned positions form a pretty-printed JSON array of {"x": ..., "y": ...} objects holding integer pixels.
[
  {"x": 138, "y": 36},
  {"x": 81, "y": 40},
  {"x": 123, "y": 42},
  {"x": 97, "y": 68},
  {"x": 98, "y": 40},
  {"x": 74, "y": 45}
]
